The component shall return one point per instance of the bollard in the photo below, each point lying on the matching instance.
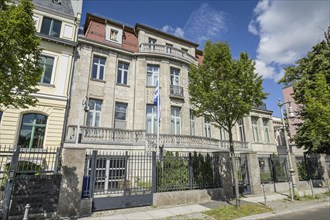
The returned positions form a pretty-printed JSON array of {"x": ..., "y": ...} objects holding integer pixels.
[
  {"x": 311, "y": 183},
  {"x": 26, "y": 212},
  {"x": 291, "y": 191},
  {"x": 263, "y": 190}
]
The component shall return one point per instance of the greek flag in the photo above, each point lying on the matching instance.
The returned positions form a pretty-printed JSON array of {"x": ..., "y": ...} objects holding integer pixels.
[
  {"x": 156, "y": 96},
  {"x": 157, "y": 101}
]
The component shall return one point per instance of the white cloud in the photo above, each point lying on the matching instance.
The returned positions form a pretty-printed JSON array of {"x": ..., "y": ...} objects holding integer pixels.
[
  {"x": 287, "y": 30},
  {"x": 175, "y": 31},
  {"x": 205, "y": 23}
]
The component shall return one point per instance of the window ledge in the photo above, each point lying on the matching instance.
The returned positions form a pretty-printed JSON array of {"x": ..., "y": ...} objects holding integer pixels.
[
  {"x": 150, "y": 86},
  {"x": 124, "y": 85},
  {"x": 98, "y": 80},
  {"x": 46, "y": 85}
]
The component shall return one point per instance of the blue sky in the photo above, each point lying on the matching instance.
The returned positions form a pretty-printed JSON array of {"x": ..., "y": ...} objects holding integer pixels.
[{"x": 274, "y": 33}]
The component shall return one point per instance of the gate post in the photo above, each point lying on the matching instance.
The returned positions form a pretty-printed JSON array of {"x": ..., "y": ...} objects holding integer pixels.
[
  {"x": 154, "y": 173},
  {"x": 11, "y": 175},
  {"x": 92, "y": 176},
  {"x": 254, "y": 173}
]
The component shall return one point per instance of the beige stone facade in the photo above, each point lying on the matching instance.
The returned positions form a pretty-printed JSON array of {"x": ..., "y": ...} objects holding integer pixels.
[
  {"x": 166, "y": 52},
  {"x": 57, "y": 45}
]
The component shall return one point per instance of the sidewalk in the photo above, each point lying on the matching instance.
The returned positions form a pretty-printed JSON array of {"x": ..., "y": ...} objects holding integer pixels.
[{"x": 193, "y": 211}]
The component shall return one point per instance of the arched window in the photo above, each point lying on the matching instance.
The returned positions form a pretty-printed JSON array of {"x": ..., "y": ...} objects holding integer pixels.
[{"x": 32, "y": 132}]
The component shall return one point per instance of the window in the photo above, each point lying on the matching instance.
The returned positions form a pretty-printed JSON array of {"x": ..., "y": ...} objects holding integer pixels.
[
  {"x": 113, "y": 35},
  {"x": 169, "y": 48},
  {"x": 266, "y": 130},
  {"x": 120, "y": 115},
  {"x": 47, "y": 63},
  {"x": 152, "y": 43},
  {"x": 207, "y": 129},
  {"x": 152, "y": 74},
  {"x": 109, "y": 174},
  {"x": 175, "y": 76},
  {"x": 32, "y": 132},
  {"x": 223, "y": 134},
  {"x": 122, "y": 73},
  {"x": 1, "y": 116},
  {"x": 255, "y": 129},
  {"x": 51, "y": 27},
  {"x": 175, "y": 120},
  {"x": 94, "y": 113},
  {"x": 98, "y": 67},
  {"x": 192, "y": 123},
  {"x": 151, "y": 119},
  {"x": 241, "y": 130}
]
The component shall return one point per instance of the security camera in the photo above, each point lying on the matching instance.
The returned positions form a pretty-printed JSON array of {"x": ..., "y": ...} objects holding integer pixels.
[{"x": 86, "y": 108}]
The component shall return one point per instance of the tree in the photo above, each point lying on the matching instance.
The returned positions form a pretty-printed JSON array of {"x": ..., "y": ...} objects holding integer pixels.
[
  {"x": 223, "y": 90},
  {"x": 19, "y": 54},
  {"x": 310, "y": 80}
]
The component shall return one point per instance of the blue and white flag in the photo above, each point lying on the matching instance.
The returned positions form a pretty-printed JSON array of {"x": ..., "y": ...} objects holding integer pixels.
[
  {"x": 156, "y": 96},
  {"x": 157, "y": 101}
]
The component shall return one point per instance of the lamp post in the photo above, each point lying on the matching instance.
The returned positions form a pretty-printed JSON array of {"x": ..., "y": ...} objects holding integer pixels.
[{"x": 291, "y": 170}]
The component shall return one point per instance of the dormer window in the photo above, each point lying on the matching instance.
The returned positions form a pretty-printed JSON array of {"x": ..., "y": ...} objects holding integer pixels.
[
  {"x": 113, "y": 35},
  {"x": 51, "y": 27}
]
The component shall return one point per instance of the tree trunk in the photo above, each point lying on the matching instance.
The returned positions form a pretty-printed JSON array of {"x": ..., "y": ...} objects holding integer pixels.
[{"x": 233, "y": 163}]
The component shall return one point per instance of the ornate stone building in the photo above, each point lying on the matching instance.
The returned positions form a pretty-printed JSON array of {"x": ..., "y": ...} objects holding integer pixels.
[{"x": 113, "y": 86}]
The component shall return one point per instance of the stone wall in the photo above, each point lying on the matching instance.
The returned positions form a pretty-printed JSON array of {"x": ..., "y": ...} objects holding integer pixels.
[
  {"x": 40, "y": 192},
  {"x": 188, "y": 196}
]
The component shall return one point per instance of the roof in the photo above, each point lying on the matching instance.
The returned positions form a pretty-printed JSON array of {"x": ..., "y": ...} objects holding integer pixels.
[
  {"x": 145, "y": 27},
  {"x": 64, "y": 6}
]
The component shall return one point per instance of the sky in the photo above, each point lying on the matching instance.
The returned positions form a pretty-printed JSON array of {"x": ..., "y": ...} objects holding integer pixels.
[{"x": 275, "y": 33}]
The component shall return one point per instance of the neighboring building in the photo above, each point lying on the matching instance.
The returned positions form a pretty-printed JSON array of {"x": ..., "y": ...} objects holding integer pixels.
[
  {"x": 291, "y": 109},
  {"x": 115, "y": 78},
  {"x": 56, "y": 24}
]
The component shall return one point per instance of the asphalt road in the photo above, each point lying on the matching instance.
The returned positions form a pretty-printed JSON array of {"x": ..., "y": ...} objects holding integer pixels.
[{"x": 322, "y": 213}]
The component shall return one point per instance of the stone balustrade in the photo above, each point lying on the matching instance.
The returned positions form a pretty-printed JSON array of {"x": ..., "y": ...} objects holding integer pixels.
[
  {"x": 99, "y": 135},
  {"x": 167, "y": 50}
]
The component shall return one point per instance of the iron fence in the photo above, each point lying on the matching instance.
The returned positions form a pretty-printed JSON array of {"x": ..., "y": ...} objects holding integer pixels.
[
  {"x": 243, "y": 173},
  {"x": 182, "y": 171},
  {"x": 127, "y": 173},
  {"x": 309, "y": 167},
  {"x": 117, "y": 173},
  {"x": 273, "y": 168},
  {"x": 16, "y": 162}
]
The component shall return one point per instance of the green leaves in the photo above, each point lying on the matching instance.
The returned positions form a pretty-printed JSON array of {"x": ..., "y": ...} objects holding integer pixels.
[
  {"x": 222, "y": 89},
  {"x": 310, "y": 79},
  {"x": 19, "y": 54}
]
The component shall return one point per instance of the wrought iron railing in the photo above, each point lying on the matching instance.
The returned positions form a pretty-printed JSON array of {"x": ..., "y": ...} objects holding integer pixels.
[
  {"x": 167, "y": 50},
  {"x": 176, "y": 90}
]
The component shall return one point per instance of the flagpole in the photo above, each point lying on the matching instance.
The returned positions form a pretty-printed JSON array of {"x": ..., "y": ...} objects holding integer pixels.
[{"x": 158, "y": 117}]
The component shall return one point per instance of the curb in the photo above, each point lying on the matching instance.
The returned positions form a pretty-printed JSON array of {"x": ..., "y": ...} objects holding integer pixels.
[{"x": 272, "y": 214}]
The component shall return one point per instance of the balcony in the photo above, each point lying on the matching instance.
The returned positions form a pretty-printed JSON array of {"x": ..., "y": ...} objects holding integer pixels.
[
  {"x": 114, "y": 136},
  {"x": 167, "y": 50},
  {"x": 176, "y": 91}
]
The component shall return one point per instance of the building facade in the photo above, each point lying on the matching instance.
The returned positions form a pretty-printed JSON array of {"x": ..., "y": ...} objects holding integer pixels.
[
  {"x": 113, "y": 91},
  {"x": 40, "y": 126}
]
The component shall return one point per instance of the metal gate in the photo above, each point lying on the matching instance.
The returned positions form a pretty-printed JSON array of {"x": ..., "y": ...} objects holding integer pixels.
[
  {"x": 243, "y": 174},
  {"x": 119, "y": 179},
  {"x": 16, "y": 162}
]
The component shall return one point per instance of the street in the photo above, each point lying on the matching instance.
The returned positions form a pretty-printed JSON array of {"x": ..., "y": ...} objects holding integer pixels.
[{"x": 314, "y": 213}]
